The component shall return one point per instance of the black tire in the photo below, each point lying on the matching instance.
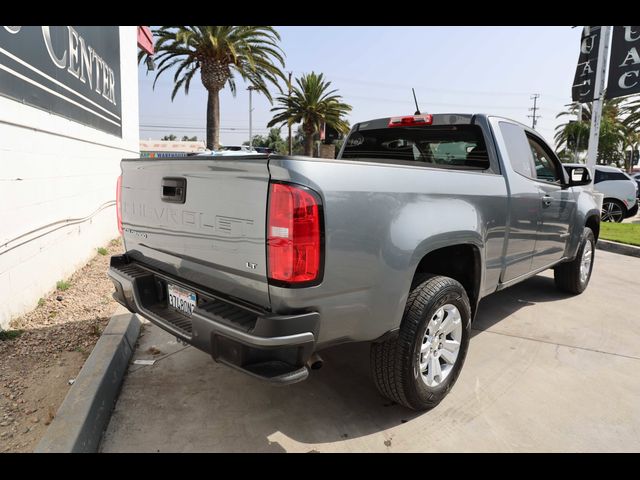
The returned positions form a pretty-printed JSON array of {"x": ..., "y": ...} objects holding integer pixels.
[
  {"x": 567, "y": 275},
  {"x": 613, "y": 210},
  {"x": 394, "y": 362}
]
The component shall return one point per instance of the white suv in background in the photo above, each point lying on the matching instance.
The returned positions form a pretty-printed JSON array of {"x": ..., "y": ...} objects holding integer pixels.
[
  {"x": 230, "y": 151},
  {"x": 620, "y": 193}
]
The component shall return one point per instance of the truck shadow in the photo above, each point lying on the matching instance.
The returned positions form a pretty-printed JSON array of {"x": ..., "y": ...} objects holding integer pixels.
[
  {"x": 500, "y": 305},
  {"x": 341, "y": 401}
]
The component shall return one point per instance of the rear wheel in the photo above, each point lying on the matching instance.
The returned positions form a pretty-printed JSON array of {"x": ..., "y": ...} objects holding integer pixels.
[
  {"x": 418, "y": 367},
  {"x": 612, "y": 210},
  {"x": 573, "y": 277}
]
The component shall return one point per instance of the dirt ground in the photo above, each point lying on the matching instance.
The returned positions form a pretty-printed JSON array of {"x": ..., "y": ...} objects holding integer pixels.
[{"x": 38, "y": 365}]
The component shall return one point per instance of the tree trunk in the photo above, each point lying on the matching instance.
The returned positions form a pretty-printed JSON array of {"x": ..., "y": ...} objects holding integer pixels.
[
  {"x": 308, "y": 145},
  {"x": 308, "y": 130},
  {"x": 213, "y": 120}
]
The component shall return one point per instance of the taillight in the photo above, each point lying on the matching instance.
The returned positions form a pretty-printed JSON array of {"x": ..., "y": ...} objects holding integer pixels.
[
  {"x": 119, "y": 203},
  {"x": 294, "y": 245},
  {"x": 411, "y": 121}
]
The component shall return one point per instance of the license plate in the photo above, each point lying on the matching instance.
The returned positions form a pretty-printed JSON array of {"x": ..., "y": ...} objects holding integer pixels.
[{"x": 181, "y": 300}]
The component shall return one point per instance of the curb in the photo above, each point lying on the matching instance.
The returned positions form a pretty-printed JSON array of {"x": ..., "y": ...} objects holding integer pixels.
[
  {"x": 85, "y": 412},
  {"x": 620, "y": 248}
]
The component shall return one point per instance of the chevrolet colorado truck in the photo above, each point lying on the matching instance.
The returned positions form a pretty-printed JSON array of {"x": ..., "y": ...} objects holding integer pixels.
[{"x": 263, "y": 261}]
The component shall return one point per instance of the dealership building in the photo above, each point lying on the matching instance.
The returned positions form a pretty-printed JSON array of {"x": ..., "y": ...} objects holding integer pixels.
[{"x": 68, "y": 115}]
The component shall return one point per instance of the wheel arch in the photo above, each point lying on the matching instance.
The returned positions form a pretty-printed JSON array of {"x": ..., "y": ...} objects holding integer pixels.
[
  {"x": 593, "y": 222},
  {"x": 462, "y": 262}
]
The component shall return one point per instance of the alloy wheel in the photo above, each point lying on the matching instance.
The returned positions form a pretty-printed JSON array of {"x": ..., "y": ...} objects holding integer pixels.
[
  {"x": 440, "y": 345},
  {"x": 611, "y": 212}
]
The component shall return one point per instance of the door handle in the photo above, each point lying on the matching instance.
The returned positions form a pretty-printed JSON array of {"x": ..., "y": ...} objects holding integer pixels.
[
  {"x": 173, "y": 189},
  {"x": 546, "y": 199}
]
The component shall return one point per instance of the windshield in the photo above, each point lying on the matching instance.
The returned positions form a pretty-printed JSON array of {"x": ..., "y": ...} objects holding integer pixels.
[{"x": 451, "y": 146}]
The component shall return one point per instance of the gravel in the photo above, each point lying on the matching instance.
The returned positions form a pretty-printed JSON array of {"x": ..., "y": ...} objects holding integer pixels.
[{"x": 57, "y": 337}]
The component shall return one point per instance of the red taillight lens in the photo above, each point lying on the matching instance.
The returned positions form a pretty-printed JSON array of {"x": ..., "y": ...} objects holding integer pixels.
[
  {"x": 411, "y": 121},
  {"x": 119, "y": 203},
  {"x": 293, "y": 234}
]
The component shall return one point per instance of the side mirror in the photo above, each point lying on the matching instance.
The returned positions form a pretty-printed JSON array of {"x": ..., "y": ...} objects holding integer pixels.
[{"x": 579, "y": 176}]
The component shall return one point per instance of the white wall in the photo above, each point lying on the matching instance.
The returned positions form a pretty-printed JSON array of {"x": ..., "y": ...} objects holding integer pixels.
[{"x": 52, "y": 170}]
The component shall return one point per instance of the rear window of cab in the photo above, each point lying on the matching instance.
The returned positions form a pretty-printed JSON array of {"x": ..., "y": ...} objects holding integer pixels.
[{"x": 443, "y": 146}]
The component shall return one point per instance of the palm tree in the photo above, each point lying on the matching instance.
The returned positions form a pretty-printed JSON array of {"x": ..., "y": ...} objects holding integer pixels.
[
  {"x": 312, "y": 104},
  {"x": 219, "y": 52},
  {"x": 632, "y": 109},
  {"x": 613, "y": 133}
]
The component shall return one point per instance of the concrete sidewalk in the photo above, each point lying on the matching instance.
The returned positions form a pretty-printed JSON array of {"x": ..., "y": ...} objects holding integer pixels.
[{"x": 545, "y": 372}]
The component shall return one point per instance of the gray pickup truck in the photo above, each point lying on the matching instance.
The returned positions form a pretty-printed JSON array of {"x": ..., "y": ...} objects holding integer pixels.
[{"x": 262, "y": 261}]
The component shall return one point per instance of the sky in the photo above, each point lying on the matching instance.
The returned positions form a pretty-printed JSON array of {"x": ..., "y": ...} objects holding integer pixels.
[{"x": 491, "y": 70}]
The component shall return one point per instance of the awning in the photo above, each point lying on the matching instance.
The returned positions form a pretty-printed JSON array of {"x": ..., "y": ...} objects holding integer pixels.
[{"x": 145, "y": 39}]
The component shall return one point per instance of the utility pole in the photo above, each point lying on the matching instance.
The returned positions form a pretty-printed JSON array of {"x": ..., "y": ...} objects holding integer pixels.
[
  {"x": 251, "y": 88},
  {"x": 289, "y": 122},
  {"x": 534, "y": 97},
  {"x": 598, "y": 98}
]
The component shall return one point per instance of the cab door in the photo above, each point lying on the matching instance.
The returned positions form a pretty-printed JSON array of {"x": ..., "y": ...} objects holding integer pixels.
[
  {"x": 557, "y": 202},
  {"x": 524, "y": 198}
]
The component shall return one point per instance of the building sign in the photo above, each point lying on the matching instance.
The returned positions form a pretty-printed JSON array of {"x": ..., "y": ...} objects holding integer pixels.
[
  {"x": 70, "y": 71},
  {"x": 585, "y": 79},
  {"x": 624, "y": 66}
]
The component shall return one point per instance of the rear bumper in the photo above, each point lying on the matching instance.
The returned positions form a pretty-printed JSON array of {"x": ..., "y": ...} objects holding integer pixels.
[{"x": 271, "y": 347}]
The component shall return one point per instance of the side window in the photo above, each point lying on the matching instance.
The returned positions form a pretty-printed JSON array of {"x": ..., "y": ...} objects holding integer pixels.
[
  {"x": 619, "y": 176},
  {"x": 518, "y": 149},
  {"x": 599, "y": 176},
  {"x": 545, "y": 167}
]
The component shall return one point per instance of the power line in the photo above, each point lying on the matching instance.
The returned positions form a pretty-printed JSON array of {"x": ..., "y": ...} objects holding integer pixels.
[
  {"x": 438, "y": 90},
  {"x": 439, "y": 104},
  {"x": 193, "y": 127},
  {"x": 535, "y": 117},
  {"x": 330, "y": 76}
]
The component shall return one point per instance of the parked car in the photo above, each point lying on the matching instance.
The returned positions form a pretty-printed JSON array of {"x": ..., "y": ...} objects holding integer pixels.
[
  {"x": 620, "y": 192},
  {"x": 636, "y": 177},
  {"x": 264, "y": 261},
  {"x": 229, "y": 151},
  {"x": 263, "y": 150}
]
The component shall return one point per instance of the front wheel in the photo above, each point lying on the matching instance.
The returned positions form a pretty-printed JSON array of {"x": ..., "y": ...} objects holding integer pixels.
[
  {"x": 573, "y": 277},
  {"x": 418, "y": 367}
]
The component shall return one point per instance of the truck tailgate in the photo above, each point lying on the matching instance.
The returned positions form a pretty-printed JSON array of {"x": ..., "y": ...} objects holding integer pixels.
[{"x": 201, "y": 219}]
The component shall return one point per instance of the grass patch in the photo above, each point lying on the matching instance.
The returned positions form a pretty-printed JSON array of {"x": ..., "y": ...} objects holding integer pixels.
[
  {"x": 63, "y": 285},
  {"x": 103, "y": 251},
  {"x": 10, "y": 334},
  {"x": 40, "y": 302},
  {"x": 628, "y": 233}
]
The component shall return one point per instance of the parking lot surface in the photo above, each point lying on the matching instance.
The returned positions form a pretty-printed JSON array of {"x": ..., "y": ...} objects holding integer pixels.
[{"x": 545, "y": 372}]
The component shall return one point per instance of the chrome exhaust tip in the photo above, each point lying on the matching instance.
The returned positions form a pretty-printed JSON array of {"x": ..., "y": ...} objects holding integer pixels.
[{"x": 315, "y": 362}]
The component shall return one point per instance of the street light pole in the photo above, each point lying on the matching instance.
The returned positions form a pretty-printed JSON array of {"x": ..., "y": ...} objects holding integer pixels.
[
  {"x": 290, "y": 140},
  {"x": 251, "y": 88}
]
